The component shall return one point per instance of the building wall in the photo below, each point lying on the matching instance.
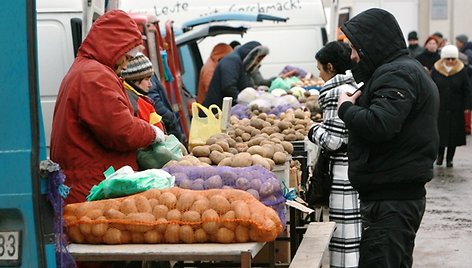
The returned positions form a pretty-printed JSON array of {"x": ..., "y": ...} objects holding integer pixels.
[
  {"x": 458, "y": 20},
  {"x": 450, "y": 17}
]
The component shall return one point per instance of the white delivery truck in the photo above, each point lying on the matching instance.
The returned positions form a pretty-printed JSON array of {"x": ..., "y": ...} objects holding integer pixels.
[{"x": 294, "y": 42}]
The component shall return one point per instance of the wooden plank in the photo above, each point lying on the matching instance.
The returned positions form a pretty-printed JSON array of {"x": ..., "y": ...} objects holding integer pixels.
[
  {"x": 314, "y": 244},
  {"x": 165, "y": 252}
]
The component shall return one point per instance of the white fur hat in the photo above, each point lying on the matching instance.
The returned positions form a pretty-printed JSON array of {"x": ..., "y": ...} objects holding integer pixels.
[{"x": 449, "y": 51}]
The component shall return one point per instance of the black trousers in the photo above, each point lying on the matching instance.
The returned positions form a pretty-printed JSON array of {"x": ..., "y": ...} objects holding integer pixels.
[
  {"x": 451, "y": 150},
  {"x": 388, "y": 232}
]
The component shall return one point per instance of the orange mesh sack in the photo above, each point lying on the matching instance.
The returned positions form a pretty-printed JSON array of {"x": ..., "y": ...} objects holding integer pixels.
[{"x": 173, "y": 215}]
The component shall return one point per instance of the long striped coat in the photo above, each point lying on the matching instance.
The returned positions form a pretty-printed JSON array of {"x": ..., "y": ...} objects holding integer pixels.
[{"x": 332, "y": 135}]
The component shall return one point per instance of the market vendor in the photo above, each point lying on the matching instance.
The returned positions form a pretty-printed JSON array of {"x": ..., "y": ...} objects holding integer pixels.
[
  {"x": 233, "y": 73},
  {"x": 93, "y": 125}
]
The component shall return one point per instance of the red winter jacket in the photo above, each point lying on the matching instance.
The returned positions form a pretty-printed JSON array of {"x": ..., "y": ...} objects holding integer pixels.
[{"x": 93, "y": 126}]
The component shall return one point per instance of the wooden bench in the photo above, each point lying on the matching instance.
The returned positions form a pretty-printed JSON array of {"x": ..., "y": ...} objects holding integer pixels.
[
  {"x": 313, "y": 246},
  {"x": 238, "y": 252}
]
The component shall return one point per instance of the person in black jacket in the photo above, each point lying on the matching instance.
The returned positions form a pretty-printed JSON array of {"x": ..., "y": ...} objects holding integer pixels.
[
  {"x": 450, "y": 76},
  {"x": 393, "y": 137},
  {"x": 233, "y": 73},
  {"x": 163, "y": 107},
  {"x": 430, "y": 54}
]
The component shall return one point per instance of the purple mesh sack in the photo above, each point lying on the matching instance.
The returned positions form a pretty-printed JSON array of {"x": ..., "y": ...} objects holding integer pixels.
[{"x": 256, "y": 180}]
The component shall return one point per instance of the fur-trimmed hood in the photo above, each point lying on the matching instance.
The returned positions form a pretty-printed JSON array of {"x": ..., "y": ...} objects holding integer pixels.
[
  {"x": 439, "y": 66},
  {"x": 249, "y": 53}
]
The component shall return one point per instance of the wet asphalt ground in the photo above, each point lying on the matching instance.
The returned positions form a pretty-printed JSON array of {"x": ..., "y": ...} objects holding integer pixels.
[{"x": 445, "y": 235}]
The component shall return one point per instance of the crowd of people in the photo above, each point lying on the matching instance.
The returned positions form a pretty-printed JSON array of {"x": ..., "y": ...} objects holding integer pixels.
[{"x": 390, "y": 111}]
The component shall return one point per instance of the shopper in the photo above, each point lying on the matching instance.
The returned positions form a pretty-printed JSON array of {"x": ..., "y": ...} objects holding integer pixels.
[
  {"x": 233, "y": 73},
  {"x": 137, "y": 83},
  {"x": 163, "y": 107},
  {"x": 206, "y": 73},
  {"x": 455, "y": 95},
  {"x": 393, "y": 138},
  {"x": 430, "y": 55},
  {"x": 93, "y": 125},
  {"x": 413, "y": 47},
  {"x": 465, "y": 54},
  {"x": 333, "y": 60}
]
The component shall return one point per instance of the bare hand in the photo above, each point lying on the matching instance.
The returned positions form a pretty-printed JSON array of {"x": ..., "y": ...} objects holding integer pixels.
[{"x": 346, "y": 96}]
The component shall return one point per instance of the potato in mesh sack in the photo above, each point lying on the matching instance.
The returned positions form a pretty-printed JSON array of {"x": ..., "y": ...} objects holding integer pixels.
[
  {"x": 256, "y": 180},
  {"x": 173, "y": 215}
]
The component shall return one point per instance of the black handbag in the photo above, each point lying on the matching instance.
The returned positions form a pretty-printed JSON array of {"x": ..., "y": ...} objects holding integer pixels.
[{"x": 319, "y": 184}]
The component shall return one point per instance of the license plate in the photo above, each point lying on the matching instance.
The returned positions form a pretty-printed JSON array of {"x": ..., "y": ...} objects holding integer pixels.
[{"x": 10, "y": 248}]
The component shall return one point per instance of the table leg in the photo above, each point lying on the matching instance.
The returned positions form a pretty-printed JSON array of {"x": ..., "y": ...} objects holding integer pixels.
[{"x": 246, "y": 259}]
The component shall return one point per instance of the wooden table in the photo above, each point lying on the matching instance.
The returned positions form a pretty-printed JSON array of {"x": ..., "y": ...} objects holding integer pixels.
[
  {"x": 314, "y": 244},
  {"x": 237, "y": 252}
]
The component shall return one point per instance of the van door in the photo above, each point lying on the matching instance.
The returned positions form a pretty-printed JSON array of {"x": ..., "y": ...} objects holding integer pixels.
[{"x": 57, "y": 29}]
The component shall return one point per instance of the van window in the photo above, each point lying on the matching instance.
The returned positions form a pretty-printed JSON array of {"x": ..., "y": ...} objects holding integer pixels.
[{"x": 76, "y": 28}]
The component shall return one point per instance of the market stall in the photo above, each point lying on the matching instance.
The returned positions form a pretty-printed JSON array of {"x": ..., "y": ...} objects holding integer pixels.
[{"x": 204, "y": 220}]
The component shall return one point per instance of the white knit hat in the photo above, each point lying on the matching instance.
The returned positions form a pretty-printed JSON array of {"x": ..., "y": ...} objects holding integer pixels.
[
  {"x": 449, "y": 51},
  {"x": 138, "y": 68}
]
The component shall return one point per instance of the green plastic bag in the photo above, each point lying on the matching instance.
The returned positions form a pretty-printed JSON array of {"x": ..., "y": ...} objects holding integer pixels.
[
  {"x": 125, "y": 181},
  {"x": 158, "y": 154},
  {"x": 284, "y": 83}
]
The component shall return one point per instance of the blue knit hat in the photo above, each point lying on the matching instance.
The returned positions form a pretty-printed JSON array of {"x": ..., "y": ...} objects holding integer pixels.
[{"x": 138, "y": 68}]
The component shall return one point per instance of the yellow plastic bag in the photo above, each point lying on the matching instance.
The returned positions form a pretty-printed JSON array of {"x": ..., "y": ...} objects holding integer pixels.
[{"x": 202, "y": 128}]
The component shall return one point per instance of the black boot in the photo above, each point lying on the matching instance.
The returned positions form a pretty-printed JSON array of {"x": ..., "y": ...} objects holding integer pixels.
[
  {"x": 439, "y": 160},
  {"x": 449, "y": 163}
]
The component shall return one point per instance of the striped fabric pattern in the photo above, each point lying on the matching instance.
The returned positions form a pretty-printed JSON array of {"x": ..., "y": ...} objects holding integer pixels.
[
  {"x": 138, "y": 68},
  {"x": 331, "y": 134}
]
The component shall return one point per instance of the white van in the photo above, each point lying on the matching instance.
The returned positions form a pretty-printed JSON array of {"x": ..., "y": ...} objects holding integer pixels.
[
  {"x": 294, "y": 42},
  {"x": 61, "y": 27}
]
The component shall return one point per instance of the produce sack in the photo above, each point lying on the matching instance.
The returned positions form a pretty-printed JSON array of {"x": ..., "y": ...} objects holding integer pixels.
[
  {"x": 125, "y": 181},
  {"x": 157, "y": 155},
  {"x": 202, "y": 128},
  {"x": 173, "y": 215},
  {"x": 256, "y": 180}
]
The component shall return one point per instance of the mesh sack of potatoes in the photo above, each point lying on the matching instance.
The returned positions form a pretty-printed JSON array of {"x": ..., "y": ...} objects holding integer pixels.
[
  {"x": 173, "y": 215},
  {"x": 256, "y": 180}
]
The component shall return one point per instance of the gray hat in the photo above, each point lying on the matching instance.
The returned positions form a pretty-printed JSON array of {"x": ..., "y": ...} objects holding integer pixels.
[{"x": 462, "y": 38}]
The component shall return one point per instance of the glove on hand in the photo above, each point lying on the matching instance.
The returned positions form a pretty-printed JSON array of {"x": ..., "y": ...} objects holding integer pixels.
[{"x": 160, "y": 135}]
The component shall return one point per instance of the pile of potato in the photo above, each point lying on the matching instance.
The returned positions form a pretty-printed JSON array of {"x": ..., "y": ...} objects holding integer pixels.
[
  {"x": 222, "y": 150},
  {"x": 173, "y": 216},
  {"x": 307, "y": 82},
  {"x": 292, "y": 125}
]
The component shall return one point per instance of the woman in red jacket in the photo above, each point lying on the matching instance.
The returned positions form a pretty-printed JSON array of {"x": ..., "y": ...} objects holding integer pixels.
[{"x": 93, "y": 125}]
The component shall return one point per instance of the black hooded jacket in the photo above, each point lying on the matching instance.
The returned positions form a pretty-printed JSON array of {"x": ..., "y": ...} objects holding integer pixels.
[
  {"x": 393, "y": 135},
  {"x": 233, "y": 73}
]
